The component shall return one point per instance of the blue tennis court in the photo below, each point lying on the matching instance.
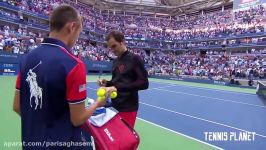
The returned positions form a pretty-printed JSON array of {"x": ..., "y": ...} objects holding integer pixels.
[{"x": 192, "y": 111}]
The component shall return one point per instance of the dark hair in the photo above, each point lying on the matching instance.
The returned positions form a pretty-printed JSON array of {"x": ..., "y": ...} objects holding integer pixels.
[
  {"x": 62, "y": 15},
  {"x": 117, "y": 35}
]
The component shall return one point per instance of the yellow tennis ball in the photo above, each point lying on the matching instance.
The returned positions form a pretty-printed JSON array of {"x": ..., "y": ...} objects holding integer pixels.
[
  {"x": 101, "y": 98},
  {"x": 101, "y": 92},
  {"x": 113, "y": 95}
]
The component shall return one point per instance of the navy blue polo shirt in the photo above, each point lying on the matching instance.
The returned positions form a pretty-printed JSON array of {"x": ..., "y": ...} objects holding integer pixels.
[{"x": 50, "y": 79}]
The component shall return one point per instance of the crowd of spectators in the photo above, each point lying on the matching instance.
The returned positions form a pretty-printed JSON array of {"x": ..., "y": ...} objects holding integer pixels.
[
  {"x": 91, "y": 51},
  {"x": 204, "y": 25},
  {"x": 213, "y": 64},
  {"x": 18, "y": 40},
  {"x": 37, "y": 6}
]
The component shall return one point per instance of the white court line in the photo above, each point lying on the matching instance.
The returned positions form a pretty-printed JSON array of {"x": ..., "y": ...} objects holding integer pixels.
[
  {"x": 213, "y": 122},
  {"x": 188, "y": 86},
  {"x": 150, "y": 88},
  {"x": 164, "y": 86},
  {"x": 92, "y": 88},
  {"x": 180, "y": 134},
  {"x": 210, "y": 89},
  {"x": 174, "y": 131},
  {"x": 208, "y": 97},
  {"x": 198, "y": 118}
]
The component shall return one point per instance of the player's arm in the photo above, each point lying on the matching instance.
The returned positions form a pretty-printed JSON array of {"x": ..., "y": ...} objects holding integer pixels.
[
  {"x": 110, "y": 83},
  {"x": 79, "y": 114},
  {"x": 76, "y": 95},
  {"x": 106, "y": 83},
  {"x": 16, "y": 101},
  {"x": 141, "y": 83},
  {"x": 103, "y": 82}
]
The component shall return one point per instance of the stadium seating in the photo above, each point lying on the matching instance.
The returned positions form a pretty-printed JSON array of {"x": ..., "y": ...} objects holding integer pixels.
[{"x": 231, "y": 28}]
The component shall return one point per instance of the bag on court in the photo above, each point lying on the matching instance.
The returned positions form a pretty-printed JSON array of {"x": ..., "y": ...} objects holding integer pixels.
[{"x": 110, "y": 131}]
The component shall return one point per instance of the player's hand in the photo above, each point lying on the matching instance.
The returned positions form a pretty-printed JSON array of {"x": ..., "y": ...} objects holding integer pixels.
[
  {"x": 109, "y": 90},
  {"x": 100, "y": 102},
  {"x": 102, "y": 82}
]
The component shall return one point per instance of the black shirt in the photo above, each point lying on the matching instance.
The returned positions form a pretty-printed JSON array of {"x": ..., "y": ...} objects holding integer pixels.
[{"x": 128, "y": 76}]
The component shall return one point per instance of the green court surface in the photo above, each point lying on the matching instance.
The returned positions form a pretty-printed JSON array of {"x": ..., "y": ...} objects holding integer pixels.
[
  {"x": 152, "y": 136},
  {"x": 10, "y": 121}
]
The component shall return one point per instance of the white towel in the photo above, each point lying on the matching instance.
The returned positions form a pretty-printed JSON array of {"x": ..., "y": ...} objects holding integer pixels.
[
  {"x": 104, "y": 115},
  {"x": 100, "y": 119}
]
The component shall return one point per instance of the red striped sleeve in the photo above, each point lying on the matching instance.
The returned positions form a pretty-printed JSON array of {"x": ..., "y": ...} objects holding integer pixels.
[{"x": 76, "y": 84}]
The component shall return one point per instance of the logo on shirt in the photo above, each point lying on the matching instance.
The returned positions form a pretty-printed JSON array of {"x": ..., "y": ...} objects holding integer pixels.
[
  {"x": 35, "y": 90},
  {"x": 82, "y": 87},
  {"x": 121, "y": 68}
]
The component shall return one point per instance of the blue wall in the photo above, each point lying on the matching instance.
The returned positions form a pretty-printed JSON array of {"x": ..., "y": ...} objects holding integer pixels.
[
  {"x": 9, "y": 64},
  {"x": 206, "y": 81}
]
